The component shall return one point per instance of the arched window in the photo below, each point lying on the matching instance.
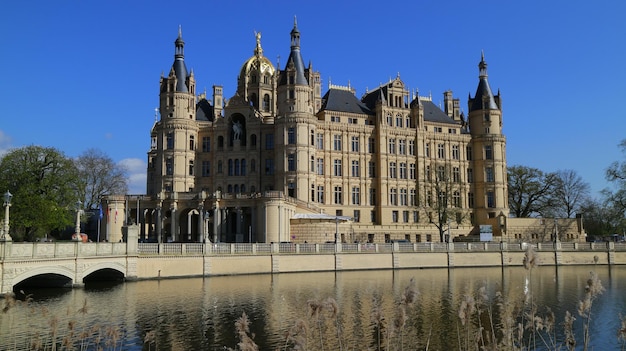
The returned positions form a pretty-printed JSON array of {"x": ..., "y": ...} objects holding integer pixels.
[
  {"x": 266, "y": 103},
  {"x": 236, "y": 167},
  {"x": 230, "y": 188},
  {"x": 236, "y": 188},
  {"x": 254, "y": 100},
  {"x": 253, "y": 140},
  {"x": 220, "y": 142},
  {"x": 243, "y": 167},
  {"x": 243, "y": 188},
  {"x": 230, "y": 167}
]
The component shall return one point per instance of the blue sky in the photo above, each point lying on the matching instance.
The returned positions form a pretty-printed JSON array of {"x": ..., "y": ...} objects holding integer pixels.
[{"x": 85, "y": 74}]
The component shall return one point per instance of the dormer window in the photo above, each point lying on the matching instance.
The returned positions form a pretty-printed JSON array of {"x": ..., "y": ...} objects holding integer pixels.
[{"x": 292, "y": 79}]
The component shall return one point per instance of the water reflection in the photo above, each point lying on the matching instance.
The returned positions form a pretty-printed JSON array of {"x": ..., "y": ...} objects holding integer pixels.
[{"x": 199, "y": 314}]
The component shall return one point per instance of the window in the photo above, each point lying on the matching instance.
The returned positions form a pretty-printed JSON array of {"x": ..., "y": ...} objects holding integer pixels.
[
  {"x": 394, "y": 216},
  {"x": 372, "y": 197},
  {"x": 292, "y": 94},
  {"x": 169, "y": 166},
  {"x": 291, "y": 135},
  {"x": 320, "y": 166},
  {"x": 403, "y": 170},
  {"x": 412, "y": 147},
  {"x": 456, "y": 175},
  {"x": 413, "y": 198},
  {"x": 371, "y": 172},
  {"x": 491, "y": 201},
  {"x": 312, "y": 192},
  {"x": 488, "y": 152},
  {"x": 269, "y": 166},
  {"x": 399, "y": 121},
  {"x": 371, "y": 145},
  {"x": 320, "y": 194},
  {"x": 356, "y": 195},
  {"x": 389, "y": 120},
  {"x": 170, "y": 140},
  {"x": 355, "y": 144},
  {"x": 230, "y": 167},
  {"x": 452, "y": 130},
  {"x": 338, "y": 198},
  {"x": 192, "y": 142},
  {"x": 412, "y": 171},
  {"x": 427, "y": 172},
  {"x": 266, "y": 98},
  {"x": 190, "y": 167},
  {"x": 206, "y": 168},
  {"x": 252, "y": 165},
  {"x": 470, "y": 175},
  {"x": 427, "y": 150},
  {"x": 441, "y": 173},
  {"x": 357, "y": 215},
  {"x": 405, "y": 216},
  {"x": 337, "y": 168},
  {"x": 253, "y": 141},
  {"x": 312, "y": 167},
  {"x": 403, "y": 197},
  {"x": 468, "y": 153},
  {"x": 237, "y": 168},
  {"x": 393, "y": 197},
  {"x": 335, "y": 119},
  {"x": 269, "y": 141},
  {"x": 206, "y": 144},
  {"x": 456, "y": 154},
  {"x": 391, "y": 146},
  {"x": 470, "y": 199},
  {"x": 441, "y": 151},
  {"x": 370, "y": 237},
  {"x": 353, "y": 121},
  {"x": 402, "y": 147},
  {"x": 416, "y": 217},
  {"x": 337, "y": 142},
  {"x": 489, "y": 174},
  {"x": 243, "y": 167},
  {"x": 291, "y": 162},
  {"x": 319, "y": 141},
  {"x": 456, "y": 199},
  {"x": 392, "y": 170},
  {"x": 219, "y": 166},
  {"x": 355, "y": 168}
]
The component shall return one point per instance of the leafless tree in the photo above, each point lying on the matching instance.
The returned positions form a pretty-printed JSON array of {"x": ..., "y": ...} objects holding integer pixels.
[
  {"x": 570, "y": 193},
  {"x": 99, "y": 175},
  {"x": 530, "y": 190},
  {"x": 443, "y": 200}
]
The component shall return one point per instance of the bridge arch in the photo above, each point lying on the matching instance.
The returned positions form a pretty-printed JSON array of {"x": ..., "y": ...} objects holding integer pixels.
[
  {"x": 102, "y": 268},
  {"x": 62, "y": 276}
]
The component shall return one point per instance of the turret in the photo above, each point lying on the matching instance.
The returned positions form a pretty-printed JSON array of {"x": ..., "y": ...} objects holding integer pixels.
[{"x": 488, "y": 147}]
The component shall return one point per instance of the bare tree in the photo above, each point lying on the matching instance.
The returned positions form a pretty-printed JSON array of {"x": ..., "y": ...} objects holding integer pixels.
[
  {"x": 570, "y": 193},
  {"x": 530, "y": 190},
  {"x": 616, "y": 174},
  {"x": 99, "y": 175},
  {"x": 443, "y": 200}
]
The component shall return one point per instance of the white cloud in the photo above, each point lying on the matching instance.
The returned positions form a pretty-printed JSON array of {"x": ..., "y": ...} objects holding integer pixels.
[
  {"x": 5, "y": 143},
  {"x": 136, "y": 175}
]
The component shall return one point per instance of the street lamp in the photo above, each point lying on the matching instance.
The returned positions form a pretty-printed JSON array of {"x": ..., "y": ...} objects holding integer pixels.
[
  {"x": 5, "y": 230},
  {"x": 78, "y": 211}
]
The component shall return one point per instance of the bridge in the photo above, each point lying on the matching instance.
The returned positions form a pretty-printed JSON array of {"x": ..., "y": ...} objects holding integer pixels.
[{"x": 72, "y": 264}]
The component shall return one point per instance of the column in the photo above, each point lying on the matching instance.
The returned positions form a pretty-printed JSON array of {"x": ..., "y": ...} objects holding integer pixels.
[
  {"x": 158, "y": 223},
  {"x": 200, "y": 224},
  {"x": 173, "y": 223}
]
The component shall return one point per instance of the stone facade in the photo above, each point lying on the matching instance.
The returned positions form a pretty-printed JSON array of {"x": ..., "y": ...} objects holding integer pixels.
[{"x": 386, "y": 166}]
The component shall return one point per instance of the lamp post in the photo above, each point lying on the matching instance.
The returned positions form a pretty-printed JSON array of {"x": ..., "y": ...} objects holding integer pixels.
[
  {"x": 5, "y": 228},
  {"x": 78, "y": 211}
]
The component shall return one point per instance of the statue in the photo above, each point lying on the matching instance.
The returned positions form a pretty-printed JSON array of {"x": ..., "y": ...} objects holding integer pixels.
[{"x": 237, "y": 130}]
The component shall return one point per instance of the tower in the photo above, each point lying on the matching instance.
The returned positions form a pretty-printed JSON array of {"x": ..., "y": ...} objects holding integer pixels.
[
  {"x": 171, "y": 159},
  {"x": 487, "y": 149},
  {"x": 295, "y": 121}
]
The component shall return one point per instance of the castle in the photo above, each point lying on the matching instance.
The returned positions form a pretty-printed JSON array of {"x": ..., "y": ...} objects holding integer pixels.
[{"x": 284, "y": 160}]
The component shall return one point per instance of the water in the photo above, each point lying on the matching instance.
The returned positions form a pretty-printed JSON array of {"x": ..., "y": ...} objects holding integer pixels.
[{"x": 200, "y": 314}]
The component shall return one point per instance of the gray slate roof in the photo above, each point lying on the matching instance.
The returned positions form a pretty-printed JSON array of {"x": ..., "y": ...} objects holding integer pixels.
[
  {"x": 432, "y": 113},
  {"x": 343, "y": 101}
]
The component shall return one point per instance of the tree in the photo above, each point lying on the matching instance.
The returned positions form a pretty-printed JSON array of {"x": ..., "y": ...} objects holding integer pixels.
[
  {"x": 616, "y": 173},
  {"x": 569, "y": 194},
  {"x": 43, "y": 183},
  {"x": 601, "y": 218},
  {"x": 98, "y": 176},
  {"x": 443, "y": 200},
  {"x": 530, "y": 190}
]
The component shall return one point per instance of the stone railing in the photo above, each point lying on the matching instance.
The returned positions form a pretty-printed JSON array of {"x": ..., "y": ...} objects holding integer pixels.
[{"x": 220, "y": 249}]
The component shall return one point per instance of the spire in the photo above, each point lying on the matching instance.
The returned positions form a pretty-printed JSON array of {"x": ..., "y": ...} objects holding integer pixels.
[
  {"x": 483, "y": 99},
  {"x": 295, "y": 59},
  {"x": 180, "y": 70}
]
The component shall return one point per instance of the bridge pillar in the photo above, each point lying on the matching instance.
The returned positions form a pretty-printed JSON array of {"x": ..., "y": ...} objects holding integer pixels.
[{"x": 131, "y": 233}]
